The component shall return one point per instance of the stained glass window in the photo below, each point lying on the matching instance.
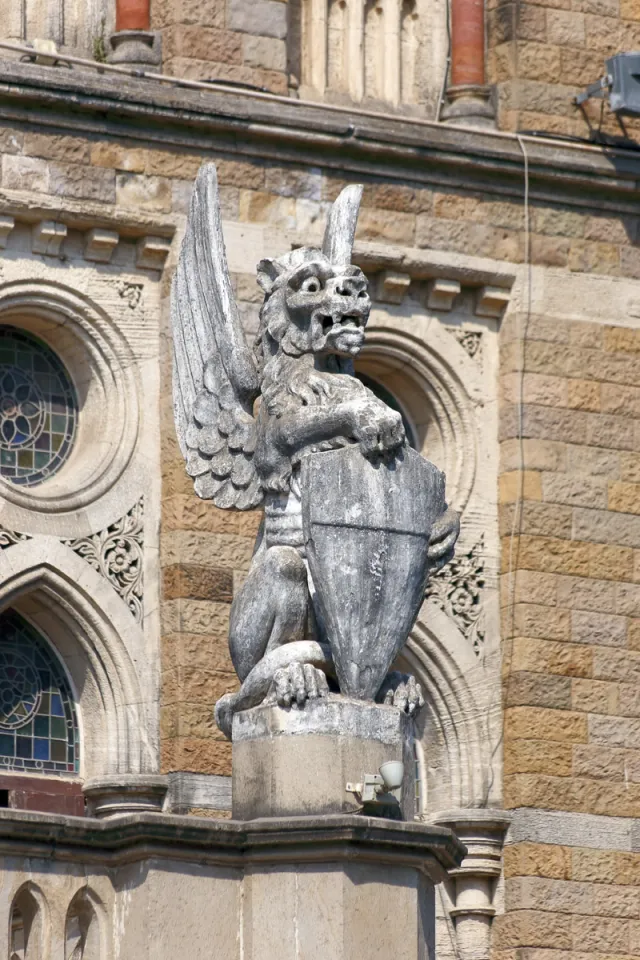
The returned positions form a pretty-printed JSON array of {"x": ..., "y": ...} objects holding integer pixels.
[
  {"x": 38, "y": 719},
  {"x": 38, "y": 409}
]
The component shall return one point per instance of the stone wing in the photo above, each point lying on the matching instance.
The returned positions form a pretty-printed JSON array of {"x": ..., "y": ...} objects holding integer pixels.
[{"x": 215, "y": 379}]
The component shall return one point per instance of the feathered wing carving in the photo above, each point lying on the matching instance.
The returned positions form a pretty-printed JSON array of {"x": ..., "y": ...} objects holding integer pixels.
[{"x": 215, "y": 378}]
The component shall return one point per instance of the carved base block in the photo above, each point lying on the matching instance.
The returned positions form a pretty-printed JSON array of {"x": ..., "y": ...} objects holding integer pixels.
[
  {"x": 138, "y": 49},
  {"x": 124, "y": 794},
  {"x": 297, "y": 762},
  {"x": 470, "y": 106}
]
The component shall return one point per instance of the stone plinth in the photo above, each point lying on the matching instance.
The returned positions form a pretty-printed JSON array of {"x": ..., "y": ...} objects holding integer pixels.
[
  {"x": 314, "y": 888},
  {"x": 296, "y": 762}
]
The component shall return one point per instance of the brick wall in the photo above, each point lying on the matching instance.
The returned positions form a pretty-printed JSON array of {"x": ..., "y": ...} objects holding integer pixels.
[{"x": 237, "y": 40}]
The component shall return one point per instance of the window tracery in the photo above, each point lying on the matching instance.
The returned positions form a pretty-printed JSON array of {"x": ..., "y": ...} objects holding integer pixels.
[
  {"x": 38, "y": 409},
  {"x": 38, "y": 717}
]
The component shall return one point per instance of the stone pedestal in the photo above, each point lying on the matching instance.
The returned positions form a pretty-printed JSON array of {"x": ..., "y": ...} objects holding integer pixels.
[
  {"x": 307, "y": 888},
  {"x": 297, "y": 762},
  {"x": 344, "y": 888}
]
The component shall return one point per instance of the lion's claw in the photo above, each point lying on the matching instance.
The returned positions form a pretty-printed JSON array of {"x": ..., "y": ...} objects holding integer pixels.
[
  {"x": 403, "y": 691},
  {"x": 297, "y": 683}
]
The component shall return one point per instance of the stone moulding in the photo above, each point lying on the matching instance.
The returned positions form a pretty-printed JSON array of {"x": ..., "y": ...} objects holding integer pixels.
[
  {"x": 348, "y": 139},
  {"x": 92, "y": 347},
  {"x": 134, "y": 837}
]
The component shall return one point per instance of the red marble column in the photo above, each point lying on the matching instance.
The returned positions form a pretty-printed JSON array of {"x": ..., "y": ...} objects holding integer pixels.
[
  {"x": 467, "y": 42},
  {"x": 132, "y": 15},
  {"x": 468, "y": 101}
]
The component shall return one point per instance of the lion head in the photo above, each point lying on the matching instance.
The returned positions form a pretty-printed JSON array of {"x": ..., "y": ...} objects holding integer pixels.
[{"x": 311, "y": 306}]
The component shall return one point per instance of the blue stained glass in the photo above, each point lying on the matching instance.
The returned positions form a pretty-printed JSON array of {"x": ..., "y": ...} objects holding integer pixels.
[
  {"x": 38, "y": 409},
  {"x": 41, "y": 749},
  {"x": 38, "y": 720}
]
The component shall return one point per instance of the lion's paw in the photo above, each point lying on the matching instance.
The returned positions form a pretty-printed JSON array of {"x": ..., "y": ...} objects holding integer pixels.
[
  {"x": 297, "y": 683},
  {"x": 402, "y": 690}
]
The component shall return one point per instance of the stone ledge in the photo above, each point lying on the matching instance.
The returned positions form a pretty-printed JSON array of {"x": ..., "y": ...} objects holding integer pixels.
[
  {"x": 295, "y": 840},
  {"x": 351, "y": 140}
]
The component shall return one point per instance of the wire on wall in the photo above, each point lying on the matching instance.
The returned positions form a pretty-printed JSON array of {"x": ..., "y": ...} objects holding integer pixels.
[
  {"x": 521, "y": 320},
  {"x": 447, "y": 63},
  {"x": 521, "y": 332}
]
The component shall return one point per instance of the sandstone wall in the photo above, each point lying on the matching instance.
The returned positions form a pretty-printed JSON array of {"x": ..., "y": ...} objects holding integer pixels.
[
  {"x": 540, "y": 55},
  {"x": 235, "y": 40}
]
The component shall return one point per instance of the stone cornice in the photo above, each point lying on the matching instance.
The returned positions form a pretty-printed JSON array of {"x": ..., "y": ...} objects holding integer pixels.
[
  {"x": 229, "y": 843},
  {"x": 281, "y": 129}
]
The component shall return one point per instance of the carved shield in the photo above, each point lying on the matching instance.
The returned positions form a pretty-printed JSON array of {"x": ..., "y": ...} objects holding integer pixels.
[{"x": 367, "y": 527}]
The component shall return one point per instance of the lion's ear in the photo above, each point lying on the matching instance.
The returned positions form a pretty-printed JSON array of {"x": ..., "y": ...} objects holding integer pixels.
[{"x": 268, "y": 273}]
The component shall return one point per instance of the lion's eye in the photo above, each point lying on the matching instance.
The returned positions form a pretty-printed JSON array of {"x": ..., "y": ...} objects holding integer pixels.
[{"x": 311, "y": 285}]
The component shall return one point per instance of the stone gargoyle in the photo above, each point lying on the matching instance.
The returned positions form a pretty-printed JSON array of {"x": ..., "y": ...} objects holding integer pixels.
[{"x": 354, "y": 519}]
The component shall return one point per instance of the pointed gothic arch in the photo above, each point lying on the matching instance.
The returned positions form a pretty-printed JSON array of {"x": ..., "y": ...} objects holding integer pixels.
[{"x": 100, "y": 644}]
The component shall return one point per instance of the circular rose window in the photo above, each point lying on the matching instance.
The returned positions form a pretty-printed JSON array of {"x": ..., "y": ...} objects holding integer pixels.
[{"x": 38, "y": 409}]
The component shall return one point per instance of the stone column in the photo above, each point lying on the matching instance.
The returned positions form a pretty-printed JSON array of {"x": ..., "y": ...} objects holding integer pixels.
[
  {"x": 472, "y": 884},
  {"x": 468, "y": 99},
  {"x": 134, "y": 44}
]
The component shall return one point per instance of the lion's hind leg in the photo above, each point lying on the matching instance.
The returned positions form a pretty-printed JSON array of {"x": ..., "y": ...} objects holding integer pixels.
[{"x": 270, "y": 609}]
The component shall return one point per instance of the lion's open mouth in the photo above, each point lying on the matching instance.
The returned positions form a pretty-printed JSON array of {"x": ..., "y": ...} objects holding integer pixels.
[{"x": 338, "y": 323}]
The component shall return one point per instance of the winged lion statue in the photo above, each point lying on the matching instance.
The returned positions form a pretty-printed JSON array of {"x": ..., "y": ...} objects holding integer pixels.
[{"x": 353, "y": 521}]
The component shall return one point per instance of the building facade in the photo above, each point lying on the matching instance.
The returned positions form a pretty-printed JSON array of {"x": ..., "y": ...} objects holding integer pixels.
[{"x": 501, "y": 246}]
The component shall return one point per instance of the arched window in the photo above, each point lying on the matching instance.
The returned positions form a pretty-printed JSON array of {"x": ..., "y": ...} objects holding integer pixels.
[
  {"x": 38, "y": 409},
  {"x": 26, "y": 928},
  {"x": 38, "y": 718},
  {"x": 82, "y": 931}
]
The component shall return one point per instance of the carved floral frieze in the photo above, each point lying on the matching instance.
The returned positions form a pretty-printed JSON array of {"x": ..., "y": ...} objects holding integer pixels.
[
  {"x": 116, "y": 553},
  {"x": 457, "y": 589}
]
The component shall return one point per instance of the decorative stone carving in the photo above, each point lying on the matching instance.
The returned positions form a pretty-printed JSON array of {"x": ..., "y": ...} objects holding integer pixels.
[
  {"x": 116, "y": 553},
  {"x": 124, "y": 793},
  {"x": 457, "y": 589},
  {"x": 9, "y": 537},
  {"x": 131, "y": 292},
  {"x": 6, "y": 226},
  {"x": 152, "y": 252},
  {"x": 47, "y": 237},
  {"x": 327, "y": 458},
  {"x": 441, "y": 294},
  {"x": 392, "y": 286},
  {"x": 100, "y": 244},
  {"x": 469, "y": 340}
]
